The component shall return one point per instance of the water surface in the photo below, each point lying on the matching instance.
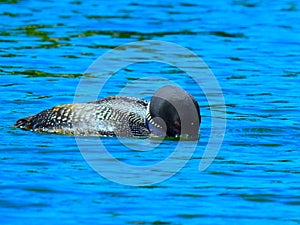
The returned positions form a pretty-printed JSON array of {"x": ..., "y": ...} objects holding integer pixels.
[{"x": 252, "y": 48}]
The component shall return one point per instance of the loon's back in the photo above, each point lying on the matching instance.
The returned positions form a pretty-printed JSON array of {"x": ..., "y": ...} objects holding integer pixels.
[{"x": 111, "y": 116}]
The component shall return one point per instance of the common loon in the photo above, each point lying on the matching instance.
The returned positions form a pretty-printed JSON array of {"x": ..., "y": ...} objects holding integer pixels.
[{"x": 171, "y": 112}]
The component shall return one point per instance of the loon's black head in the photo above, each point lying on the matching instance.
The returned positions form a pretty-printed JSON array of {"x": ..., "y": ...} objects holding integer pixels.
[{"x": 173, "y": 112}]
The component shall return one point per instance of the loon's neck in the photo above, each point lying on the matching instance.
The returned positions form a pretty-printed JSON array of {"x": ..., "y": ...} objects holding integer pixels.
[{"x": 154, "y": 128}]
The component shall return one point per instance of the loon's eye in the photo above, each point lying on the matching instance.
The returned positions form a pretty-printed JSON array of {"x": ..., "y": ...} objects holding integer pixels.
[{"x": 177, "y": 125}]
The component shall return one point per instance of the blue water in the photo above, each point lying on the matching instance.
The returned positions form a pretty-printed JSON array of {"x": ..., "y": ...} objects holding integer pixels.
[{"x": 252, "y": 47}]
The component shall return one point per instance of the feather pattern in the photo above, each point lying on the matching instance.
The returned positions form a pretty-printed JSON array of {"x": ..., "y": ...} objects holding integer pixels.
[{"x": 111, "y": 116}]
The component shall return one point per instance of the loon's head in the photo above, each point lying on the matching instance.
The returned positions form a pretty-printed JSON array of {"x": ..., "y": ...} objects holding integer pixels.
[{"x": 173, "y": 112}]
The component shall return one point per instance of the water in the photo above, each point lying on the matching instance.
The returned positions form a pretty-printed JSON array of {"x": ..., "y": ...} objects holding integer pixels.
[{"x": 252, "y": 47}]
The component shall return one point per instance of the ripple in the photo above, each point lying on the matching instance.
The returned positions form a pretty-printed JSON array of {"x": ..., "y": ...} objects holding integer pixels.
[
  {"x": 40, "y": 190},
  {"x": 226, "y": 34},
  {"x": 37, "y": 73},
  {"x": 258, "y": 197}
]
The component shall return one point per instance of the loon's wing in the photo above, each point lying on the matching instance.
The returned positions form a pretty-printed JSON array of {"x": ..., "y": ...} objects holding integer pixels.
[
  {"x": 122, "y": 116},
  {"x": 112, "y": 116}
]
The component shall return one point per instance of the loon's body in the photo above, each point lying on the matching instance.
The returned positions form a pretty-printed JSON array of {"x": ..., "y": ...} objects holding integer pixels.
[
  {"x": 122, "y": 116},
  {"x": 111, "y": 116}
]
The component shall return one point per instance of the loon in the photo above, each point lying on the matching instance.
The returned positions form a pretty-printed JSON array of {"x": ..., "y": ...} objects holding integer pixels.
[{"x": 171, "y": 112}]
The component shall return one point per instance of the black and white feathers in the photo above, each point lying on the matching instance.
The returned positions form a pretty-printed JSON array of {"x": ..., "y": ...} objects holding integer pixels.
[{"x": 111, "y": 116}]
